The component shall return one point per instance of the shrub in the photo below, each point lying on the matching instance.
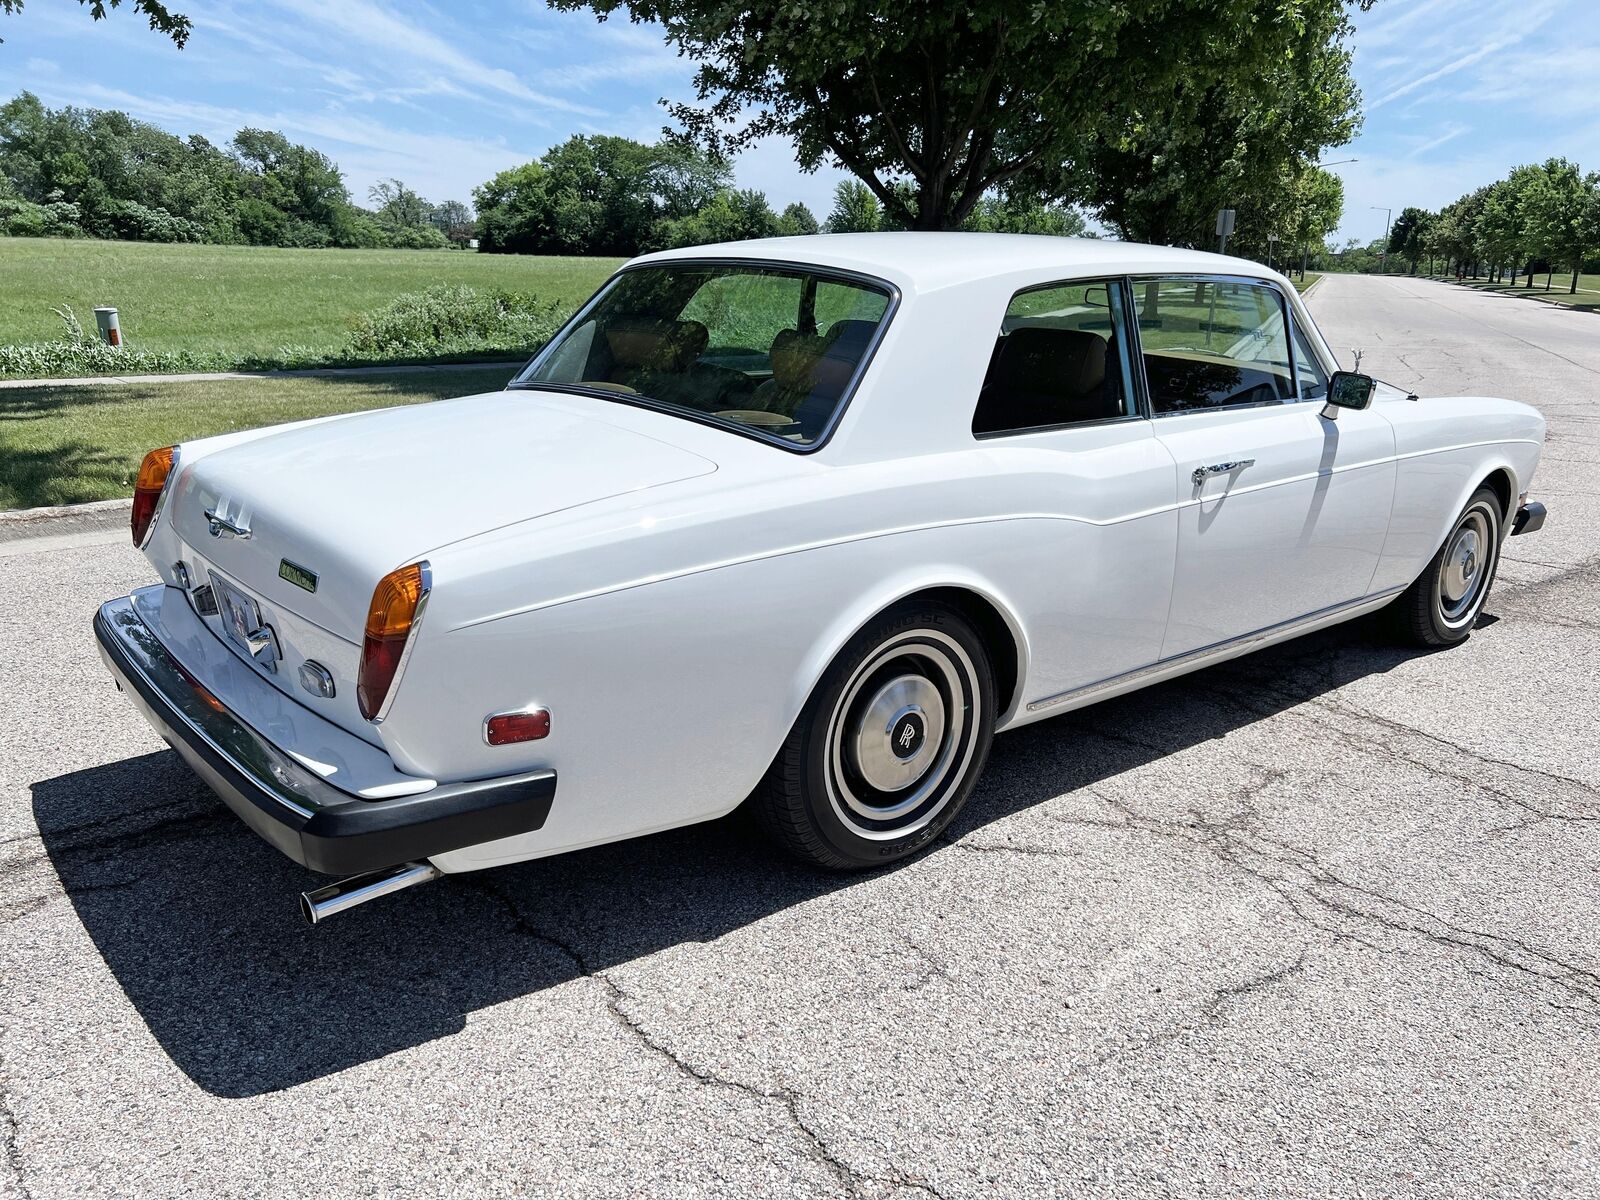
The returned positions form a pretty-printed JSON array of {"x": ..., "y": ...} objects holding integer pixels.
[
  {"x": 136, "y": 222},
  {"x": 418, "y": 237},
  {"x": 79, "y": 353},
  {"x": 454, "y": 319},
  {"x": 23, "y": 218}
]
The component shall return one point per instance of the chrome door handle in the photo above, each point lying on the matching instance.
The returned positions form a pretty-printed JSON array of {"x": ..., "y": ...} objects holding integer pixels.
[{"x": 1201, "y": 474}]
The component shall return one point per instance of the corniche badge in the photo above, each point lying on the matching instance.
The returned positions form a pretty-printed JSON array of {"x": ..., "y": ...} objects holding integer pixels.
[{"x": 297, "y": 575}]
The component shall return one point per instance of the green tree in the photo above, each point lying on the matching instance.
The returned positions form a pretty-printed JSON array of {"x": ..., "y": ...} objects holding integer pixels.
[
  {"x": 797, "y": 220},
  {"x": 162, "y": 19},
  {"x": 398, "y": 205},
  {"x": 302, "y": 183},
  {"x": 959, "y": 100},
  {"x": 453, "y": 219},
  {"x": 1315, "y": 210},
  {"x": 855, "y": 209},
  {"x": 1408, "y": 235},
  {"x": 595, "y": 195},
  {"x": 1563, "y": 207},
  {"x": 1503, "y": 227},
  {"x": 731, "y": 216},
  {"x": 1225, "y": 137}
]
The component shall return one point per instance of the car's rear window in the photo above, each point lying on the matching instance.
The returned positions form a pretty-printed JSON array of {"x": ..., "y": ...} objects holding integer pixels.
[{"x": 766, "y": 350}]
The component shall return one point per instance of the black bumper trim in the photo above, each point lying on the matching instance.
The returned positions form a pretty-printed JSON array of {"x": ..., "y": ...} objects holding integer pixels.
[
  {"x": 312, "y": 822},
  {"x": 1529, "y": 518}
]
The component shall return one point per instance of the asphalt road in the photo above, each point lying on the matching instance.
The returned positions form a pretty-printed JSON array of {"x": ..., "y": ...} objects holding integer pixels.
[{"x": 1324, "y": 921}]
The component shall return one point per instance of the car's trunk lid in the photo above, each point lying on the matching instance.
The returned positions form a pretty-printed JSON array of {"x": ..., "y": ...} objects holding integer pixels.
[{"x": 331, "y": 507}]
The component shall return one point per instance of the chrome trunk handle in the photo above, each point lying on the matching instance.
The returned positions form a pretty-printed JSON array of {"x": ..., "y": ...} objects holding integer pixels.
[
  {"x": 220, "y": 525},
  {"x": 1201, "y": 474}
]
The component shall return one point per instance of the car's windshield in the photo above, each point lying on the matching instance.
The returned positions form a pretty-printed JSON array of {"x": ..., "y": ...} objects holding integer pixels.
[{"x": 770, "y": 350}]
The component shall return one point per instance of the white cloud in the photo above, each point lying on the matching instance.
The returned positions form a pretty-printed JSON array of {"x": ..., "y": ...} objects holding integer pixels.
[{"x": 1433, "y": 143}]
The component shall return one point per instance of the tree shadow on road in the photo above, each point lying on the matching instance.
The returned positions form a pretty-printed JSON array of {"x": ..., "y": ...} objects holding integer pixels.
[{"x": 196, "y": 917}]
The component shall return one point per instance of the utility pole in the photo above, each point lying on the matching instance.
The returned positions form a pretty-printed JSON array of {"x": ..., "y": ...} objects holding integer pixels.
[{"x": 1388, "y": 216}]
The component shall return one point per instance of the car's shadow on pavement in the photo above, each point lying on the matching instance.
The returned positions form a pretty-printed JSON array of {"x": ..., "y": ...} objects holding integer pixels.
[{"x": 197, "y": 919}]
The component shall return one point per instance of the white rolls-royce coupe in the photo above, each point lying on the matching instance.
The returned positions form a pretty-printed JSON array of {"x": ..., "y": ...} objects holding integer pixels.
[{"x": 800, "y": 522}]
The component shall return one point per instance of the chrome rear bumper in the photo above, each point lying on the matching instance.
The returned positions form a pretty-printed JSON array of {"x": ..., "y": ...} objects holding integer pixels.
[{"x": 311, "y": 821}]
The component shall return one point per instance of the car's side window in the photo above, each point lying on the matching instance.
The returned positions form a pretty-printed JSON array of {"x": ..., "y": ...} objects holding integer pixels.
[
  {"x": 1308, "y": 368},
  {"x": 1061, "y": 358},
  {"x": 1212, "y": 344}
]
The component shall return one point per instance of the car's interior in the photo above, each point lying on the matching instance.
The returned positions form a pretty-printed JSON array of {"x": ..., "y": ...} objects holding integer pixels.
[
  {"x": 1055, "y": 362},
  {"x": 1213, "y": 344},
  {"x": 744, "y": 345},
  {"x": 1041, "y": 377}
]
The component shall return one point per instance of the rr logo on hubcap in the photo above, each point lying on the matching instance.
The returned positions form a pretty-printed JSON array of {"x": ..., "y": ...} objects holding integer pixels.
[{"x": 906, "y": 737}]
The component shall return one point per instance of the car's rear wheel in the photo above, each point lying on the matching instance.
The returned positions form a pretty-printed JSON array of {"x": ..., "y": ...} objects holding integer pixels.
[
  {"x": 1443, "y": 604},
  {"x": 889, "y": 746}
]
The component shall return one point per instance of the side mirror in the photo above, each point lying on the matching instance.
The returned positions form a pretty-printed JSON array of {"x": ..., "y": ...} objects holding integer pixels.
[{"x": 1348, "y": 390}]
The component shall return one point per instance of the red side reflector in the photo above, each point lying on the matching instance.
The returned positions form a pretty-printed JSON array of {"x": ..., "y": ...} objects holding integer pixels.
[{"x": 504, "y": 728}]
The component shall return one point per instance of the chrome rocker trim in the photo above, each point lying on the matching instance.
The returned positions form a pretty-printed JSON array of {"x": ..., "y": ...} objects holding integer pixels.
[
  {"x": 315, "y": 824},
  {"x": 1231, "y": 648}
]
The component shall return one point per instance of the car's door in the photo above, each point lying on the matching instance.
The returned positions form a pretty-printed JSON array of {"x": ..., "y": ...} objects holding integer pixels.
[
  {"x": 1060, "y": 414},
  {"x": 1283, "y": 511}
]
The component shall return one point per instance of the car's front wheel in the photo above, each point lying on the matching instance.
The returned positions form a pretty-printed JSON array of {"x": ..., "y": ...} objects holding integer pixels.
[
  {"x": 1442, "y": 605},
  {"x": 889, "y": 746}
]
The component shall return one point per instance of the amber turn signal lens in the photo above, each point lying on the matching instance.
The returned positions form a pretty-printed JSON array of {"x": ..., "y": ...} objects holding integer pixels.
[
  {"x": 153, "y": 472},
  {"x": 396, "y": 602}
]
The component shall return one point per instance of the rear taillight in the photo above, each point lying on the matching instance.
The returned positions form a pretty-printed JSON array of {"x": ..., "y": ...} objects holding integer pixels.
[
  {"x": 147, "y": 488},
  {"x": 396, "y": 607}
]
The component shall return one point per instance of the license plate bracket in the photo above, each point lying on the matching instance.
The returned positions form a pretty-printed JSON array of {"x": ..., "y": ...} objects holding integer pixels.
[{"x": 241, "y": 615}]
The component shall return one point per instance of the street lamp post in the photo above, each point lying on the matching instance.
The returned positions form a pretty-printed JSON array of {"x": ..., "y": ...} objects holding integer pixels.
[
  {"x": 1305, "y": 250},
  {"x": 1388, "y": 217}
]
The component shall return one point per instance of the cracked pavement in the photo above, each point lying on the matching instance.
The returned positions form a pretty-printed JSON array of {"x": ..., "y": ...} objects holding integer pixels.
[{"x": 1321, "y": 921}]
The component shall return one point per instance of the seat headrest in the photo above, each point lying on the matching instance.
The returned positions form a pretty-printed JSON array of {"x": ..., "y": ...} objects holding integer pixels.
[
  {"x": 847, "y": 341},
  {"x": 656, "y": 345},
  {"x": 857, "y": 333},
  {"x": 794, "y": 356},
  {"x": 1062, "y": 362}
]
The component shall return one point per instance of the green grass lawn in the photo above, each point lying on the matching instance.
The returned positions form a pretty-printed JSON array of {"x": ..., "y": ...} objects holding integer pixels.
[
  {"x": 1302, "y": 284},
  {"x": 66, "y": 445},
  {"x": 1586, "y": 299},
  {"x": 248, "y": 300}
]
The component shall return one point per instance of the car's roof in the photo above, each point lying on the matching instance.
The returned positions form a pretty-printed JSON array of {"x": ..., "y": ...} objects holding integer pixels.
[{"x": 930, "y": 261}]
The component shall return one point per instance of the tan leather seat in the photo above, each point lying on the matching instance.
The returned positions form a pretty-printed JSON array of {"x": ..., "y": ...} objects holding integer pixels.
[
  {"x": 1043, "y": 377},
  {"x": 794, "y": 357},
  {"x": 643, "y": 348}
]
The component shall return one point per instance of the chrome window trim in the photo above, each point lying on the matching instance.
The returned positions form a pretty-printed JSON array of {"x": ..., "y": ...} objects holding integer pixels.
[
  {"x": 1191, "y": 277},
  {"x": 889, "y": 290},
  {"x": 1294, "y": 357},
  {"x": 405, "y": 651},
  {"x": 1131, "y": 377}
]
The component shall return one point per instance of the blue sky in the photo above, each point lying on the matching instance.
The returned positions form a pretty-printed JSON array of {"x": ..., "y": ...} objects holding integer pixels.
[{"x": 442, "y": 96}]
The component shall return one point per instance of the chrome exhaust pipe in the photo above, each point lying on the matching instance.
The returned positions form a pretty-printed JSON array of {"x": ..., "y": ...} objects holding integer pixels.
[{"x": 358, "y": 889}]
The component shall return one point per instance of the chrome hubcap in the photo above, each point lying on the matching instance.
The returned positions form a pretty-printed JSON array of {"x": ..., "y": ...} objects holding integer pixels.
[
  {"x": 1463, "y": 571},
  {"x": 901, "y": 735}
]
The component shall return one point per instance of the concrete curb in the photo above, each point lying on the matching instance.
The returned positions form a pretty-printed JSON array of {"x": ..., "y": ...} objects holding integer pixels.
[
  {"x": 56, "y": 511},
  {"x": 54, "y": 521},
  {"x": 208, "y": 376}
]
